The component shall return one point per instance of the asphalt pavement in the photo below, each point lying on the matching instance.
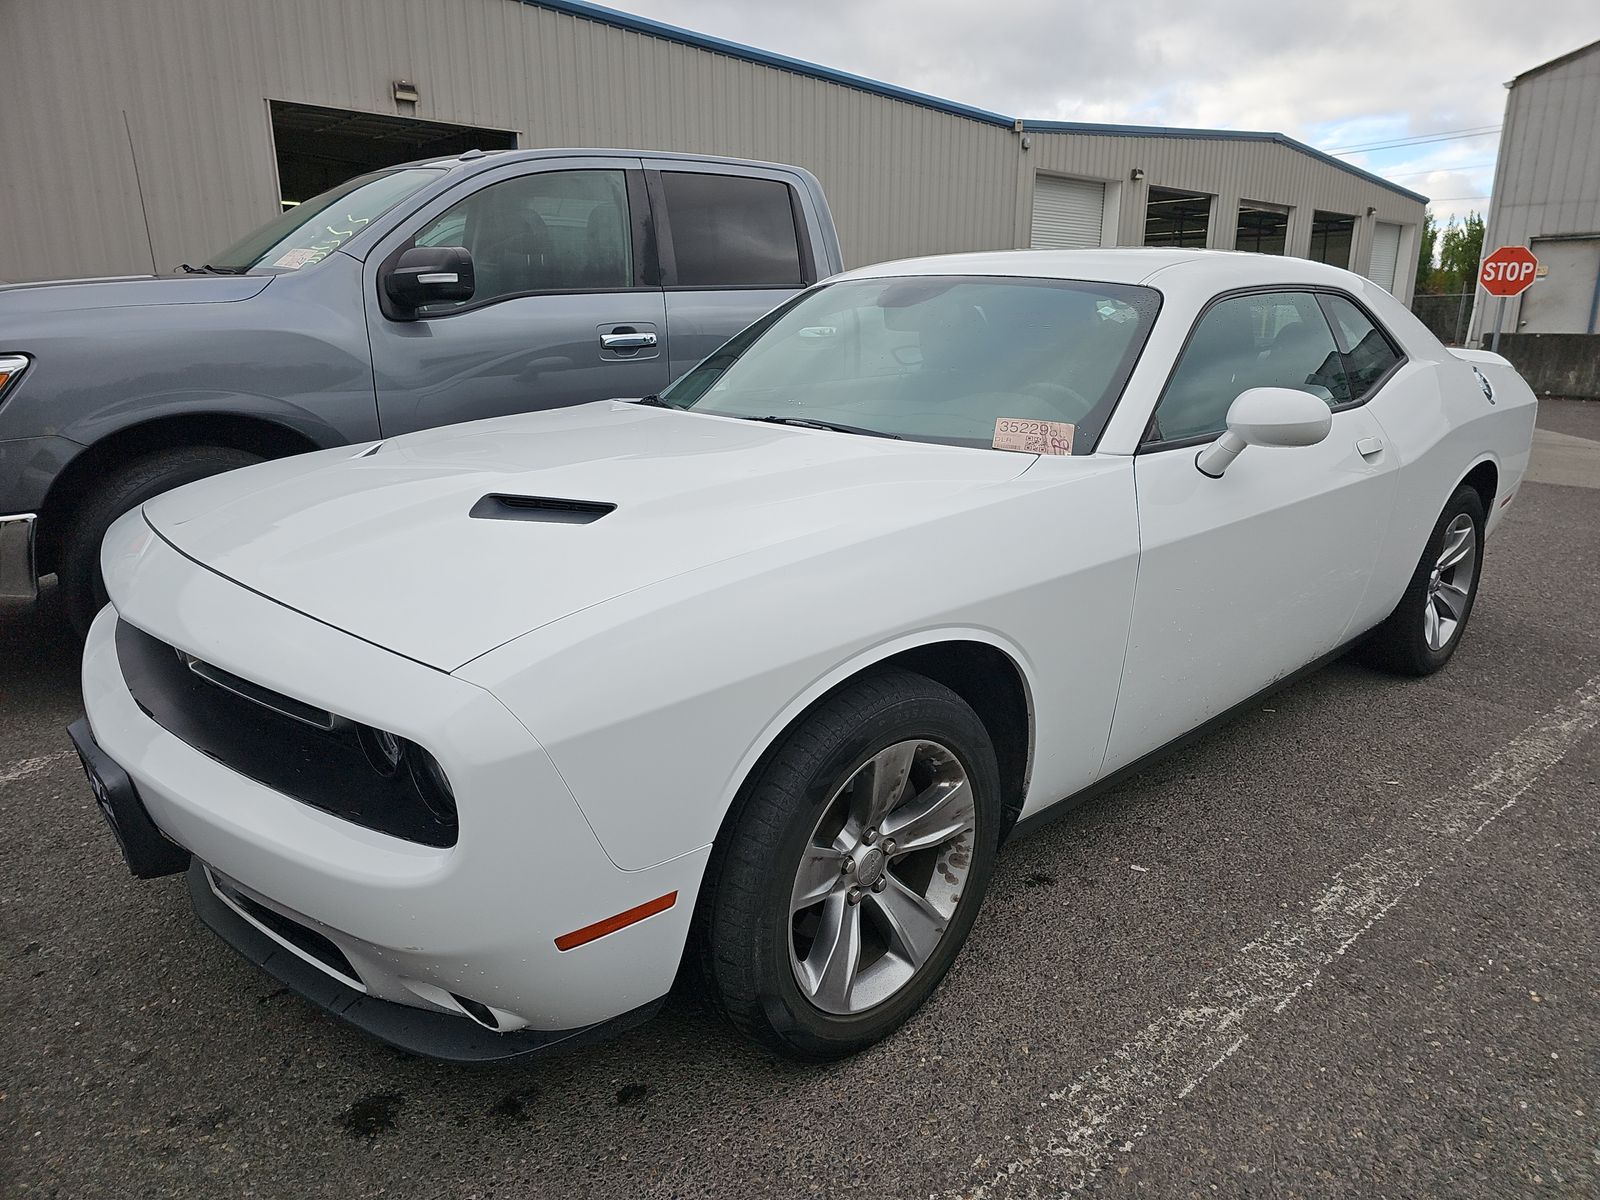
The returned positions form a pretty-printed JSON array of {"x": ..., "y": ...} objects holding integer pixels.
[{"x": 1345, "y": 946}]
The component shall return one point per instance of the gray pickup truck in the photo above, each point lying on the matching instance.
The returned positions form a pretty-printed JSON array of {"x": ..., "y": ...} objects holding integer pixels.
[{"x": 422, "y": 295}]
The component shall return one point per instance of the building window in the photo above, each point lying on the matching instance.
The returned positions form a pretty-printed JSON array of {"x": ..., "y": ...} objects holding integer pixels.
[
  {"x": 1175, "y": 218},
  {"x": 1330, "y": 238},
  {"x": 1263, "y": 228}
]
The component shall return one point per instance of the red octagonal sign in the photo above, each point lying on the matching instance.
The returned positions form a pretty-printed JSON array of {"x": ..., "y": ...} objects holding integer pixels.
[{"x": 1508, "y": 271}]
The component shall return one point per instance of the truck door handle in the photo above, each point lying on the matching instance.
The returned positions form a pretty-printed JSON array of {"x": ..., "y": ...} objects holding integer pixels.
[
  {"x": 1369, "y": 447},
  {"x": 627, "y": 341}
]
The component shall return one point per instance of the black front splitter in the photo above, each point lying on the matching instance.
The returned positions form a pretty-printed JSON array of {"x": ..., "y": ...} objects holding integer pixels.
[{"x": 420, "y": 1031}]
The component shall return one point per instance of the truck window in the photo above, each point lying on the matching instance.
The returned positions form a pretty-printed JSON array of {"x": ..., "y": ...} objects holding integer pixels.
[
  {"x": 732, "y": 231},
  {"x": 547, "y": 232}
]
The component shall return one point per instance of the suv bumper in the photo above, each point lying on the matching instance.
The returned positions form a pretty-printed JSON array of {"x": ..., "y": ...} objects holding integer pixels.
[{"x": 17, "y": 578}]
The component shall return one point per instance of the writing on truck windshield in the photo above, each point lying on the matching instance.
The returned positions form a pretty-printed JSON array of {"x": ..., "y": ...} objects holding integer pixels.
[{"x": 309, "y": 232}]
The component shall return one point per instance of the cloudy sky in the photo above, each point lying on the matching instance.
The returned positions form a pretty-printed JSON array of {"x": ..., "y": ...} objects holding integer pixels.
[{"x": 1335, "y": 75}]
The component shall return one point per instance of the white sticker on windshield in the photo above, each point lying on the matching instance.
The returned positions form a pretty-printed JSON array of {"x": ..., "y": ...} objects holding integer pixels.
[
  {"x": 1033, "y": 437},
  {"x": 295, "y": 259}
]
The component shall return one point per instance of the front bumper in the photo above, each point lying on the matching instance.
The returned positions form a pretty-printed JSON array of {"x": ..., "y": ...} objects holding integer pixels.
[
  {"x": 417, "y": 926},
  {"x": 18, "y": 580},
  {"x": 415, "y": 1030}
]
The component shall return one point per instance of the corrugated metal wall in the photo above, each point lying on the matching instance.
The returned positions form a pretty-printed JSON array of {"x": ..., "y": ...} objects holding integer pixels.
[
  {"x": 1547, "y": 178},
  {"x": 109, "y": 100},
  {"x": 1231, "y": 171}
]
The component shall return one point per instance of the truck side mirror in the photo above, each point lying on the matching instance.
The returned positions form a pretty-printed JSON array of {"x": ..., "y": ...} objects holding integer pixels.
[{"x": 430, "y": 275}]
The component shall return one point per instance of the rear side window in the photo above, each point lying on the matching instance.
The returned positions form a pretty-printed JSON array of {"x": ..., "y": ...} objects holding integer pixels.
[
  {"x": 732, "y": 231},
  {"x": 1369, "y": 355},
  {"x": 1263, "y": 339}
]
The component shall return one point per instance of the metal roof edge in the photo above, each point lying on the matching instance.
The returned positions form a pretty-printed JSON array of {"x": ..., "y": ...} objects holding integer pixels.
[
  {"x": 800, "y": 66},
  {"x": 1225, "y": 135},
  {"x": 688, "y": 37},
  {"x": 1560, "y": 60}
]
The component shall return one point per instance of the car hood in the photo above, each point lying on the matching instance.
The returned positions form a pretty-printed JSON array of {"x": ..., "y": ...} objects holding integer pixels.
[
  {"x": 382, "y": 542},
  {"x": 71, "y": 295}
]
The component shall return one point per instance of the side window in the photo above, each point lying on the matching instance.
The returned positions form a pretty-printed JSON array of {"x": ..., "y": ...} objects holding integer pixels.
[
  {"x": 552, "y": 231},
  {"x": 731, "y": 231},
  {"x": 1368, "y": 352},
  {"x": 1266, "y": 339}
]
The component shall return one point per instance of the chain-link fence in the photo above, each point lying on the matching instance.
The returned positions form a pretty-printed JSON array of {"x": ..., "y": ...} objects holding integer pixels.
[{"x": 1448, "y": 315}]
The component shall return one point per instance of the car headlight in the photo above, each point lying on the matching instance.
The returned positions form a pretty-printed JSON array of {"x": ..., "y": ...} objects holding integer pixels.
[
  {"x": 11, "y": 368},
  {"x": 428, "y": 777},
  {"x": 391, "y": 755}
]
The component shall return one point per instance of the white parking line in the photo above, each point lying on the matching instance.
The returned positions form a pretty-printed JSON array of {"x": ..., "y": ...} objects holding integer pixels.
[
  {"x": 32, "y": 766},
  {"x": 1108, "y": 1108}
]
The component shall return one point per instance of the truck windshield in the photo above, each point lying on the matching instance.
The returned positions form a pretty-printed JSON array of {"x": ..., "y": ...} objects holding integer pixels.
[
  {"x": 963, "y": 360},
  {"x": 309, "y": 232}
]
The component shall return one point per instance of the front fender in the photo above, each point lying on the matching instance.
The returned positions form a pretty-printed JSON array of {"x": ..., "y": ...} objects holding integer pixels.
[{"x": 657, "y": 705}]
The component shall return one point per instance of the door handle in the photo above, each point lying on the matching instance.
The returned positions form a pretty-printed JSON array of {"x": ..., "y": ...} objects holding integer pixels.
[
  {"x": 1367, "y": 447},
  {"x": 627, "y": 341}
]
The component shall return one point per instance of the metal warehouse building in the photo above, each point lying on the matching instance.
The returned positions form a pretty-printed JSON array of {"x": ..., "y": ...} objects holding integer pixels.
[
  {"x": 139, "y": 134},
  {"x": 1547, "y": 194}
]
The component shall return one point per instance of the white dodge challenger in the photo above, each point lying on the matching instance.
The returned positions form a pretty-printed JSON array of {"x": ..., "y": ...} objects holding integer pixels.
[{"x": 473, "y": 737}]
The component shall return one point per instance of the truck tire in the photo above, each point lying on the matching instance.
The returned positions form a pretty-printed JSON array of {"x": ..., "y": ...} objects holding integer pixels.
[{"x": 123, "y": 490}]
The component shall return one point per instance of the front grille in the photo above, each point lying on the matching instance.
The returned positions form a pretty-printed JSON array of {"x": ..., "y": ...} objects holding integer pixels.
[{"x": 275, "y": 740}]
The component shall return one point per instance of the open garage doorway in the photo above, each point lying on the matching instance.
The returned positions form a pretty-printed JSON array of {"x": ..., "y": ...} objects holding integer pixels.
[{"x": 319, "y": 147}]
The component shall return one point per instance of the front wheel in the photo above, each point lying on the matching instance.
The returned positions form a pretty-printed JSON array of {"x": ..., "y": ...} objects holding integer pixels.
[
  {"x": 1426, "y": 626},
  {"x": 843, "y": 891}
]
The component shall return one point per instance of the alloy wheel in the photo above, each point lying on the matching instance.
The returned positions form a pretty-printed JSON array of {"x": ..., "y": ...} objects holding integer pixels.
[
  {"x": 881, "y": 876},
  {"x": 1450, "y": 583}
]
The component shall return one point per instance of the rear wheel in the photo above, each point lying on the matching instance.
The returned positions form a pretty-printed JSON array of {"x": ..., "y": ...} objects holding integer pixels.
[
  {"x": 1426, "y": 626},
  {"x": 122, "y": 491},
  {"x": 844, "y": 890}
]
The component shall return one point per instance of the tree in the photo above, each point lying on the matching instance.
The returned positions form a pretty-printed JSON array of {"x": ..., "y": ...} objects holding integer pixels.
[
  {"x": 1460, "y": 248},
  {"x": 1427, "y": 245}
]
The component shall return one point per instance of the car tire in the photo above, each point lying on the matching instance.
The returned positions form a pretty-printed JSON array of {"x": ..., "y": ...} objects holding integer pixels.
[
  {"x": 913, "y": 907},
  {"x": 1427, "y": 625},
  {"x": 83, "y": 590}
]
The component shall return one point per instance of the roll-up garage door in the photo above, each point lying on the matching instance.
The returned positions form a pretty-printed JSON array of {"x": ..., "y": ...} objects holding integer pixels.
[
  {"x": 1385, "y": 254},
  {"x": 1067, "y": 213}
]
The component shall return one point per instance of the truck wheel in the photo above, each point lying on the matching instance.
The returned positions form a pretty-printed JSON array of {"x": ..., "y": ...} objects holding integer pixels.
[{"x": 122, "y": 491}]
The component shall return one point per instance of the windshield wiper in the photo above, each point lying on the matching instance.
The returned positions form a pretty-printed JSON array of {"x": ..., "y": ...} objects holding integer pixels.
[
  {"x": 807, "y": 423},
  {"x": 654, "y": 401},
  {"x": 208, "y": 269}
]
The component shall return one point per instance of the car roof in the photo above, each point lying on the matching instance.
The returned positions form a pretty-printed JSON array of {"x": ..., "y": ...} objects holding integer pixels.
[{"x": 1216, "y": 269}]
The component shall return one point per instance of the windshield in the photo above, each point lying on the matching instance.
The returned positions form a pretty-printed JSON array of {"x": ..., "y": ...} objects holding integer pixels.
[
  {"x": 309, "y": 232},
  {"x": 953, "y": 359}
]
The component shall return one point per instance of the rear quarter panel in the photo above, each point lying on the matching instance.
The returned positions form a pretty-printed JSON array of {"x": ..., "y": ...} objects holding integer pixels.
[{"x": 1441, "y": 425}]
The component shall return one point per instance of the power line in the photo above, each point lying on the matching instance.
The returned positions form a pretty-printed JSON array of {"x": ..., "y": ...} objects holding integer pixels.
[
  {"x": 1448, "y": 199},
  {"x": 1453, "y": 135},
  {"x": 1438, "y": 170}
]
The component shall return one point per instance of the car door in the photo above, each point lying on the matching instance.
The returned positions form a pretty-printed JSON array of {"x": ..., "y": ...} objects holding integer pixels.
[
  {"x": 1245, "y": 578},
  {"x": 734, "y": 245},
  {"x": 567, "y": 305}
]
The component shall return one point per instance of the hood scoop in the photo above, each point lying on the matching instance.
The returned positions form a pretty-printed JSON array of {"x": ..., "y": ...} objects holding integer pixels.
[{"x": 498, "y": 506}]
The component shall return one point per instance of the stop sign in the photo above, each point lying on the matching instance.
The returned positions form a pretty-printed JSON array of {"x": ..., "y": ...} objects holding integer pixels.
[{"x": 1508, "y": 271}]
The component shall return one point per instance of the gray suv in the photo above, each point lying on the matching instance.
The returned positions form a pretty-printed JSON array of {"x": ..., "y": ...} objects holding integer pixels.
[{"x": 421, "y": 295}]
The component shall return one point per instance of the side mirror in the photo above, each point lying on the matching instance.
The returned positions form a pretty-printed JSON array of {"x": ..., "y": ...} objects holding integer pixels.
[
  {"x": 1266, "y": 416},
  {"x": 430, "y": 275}
]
